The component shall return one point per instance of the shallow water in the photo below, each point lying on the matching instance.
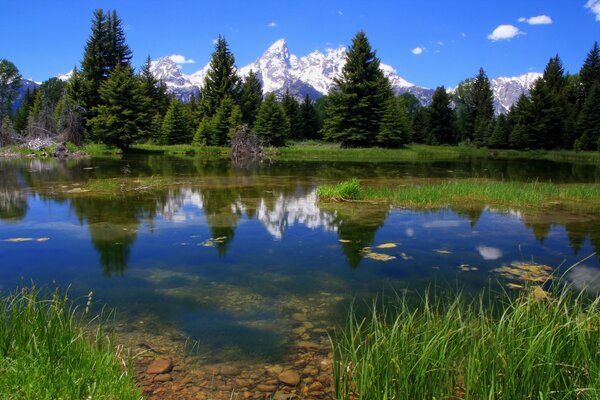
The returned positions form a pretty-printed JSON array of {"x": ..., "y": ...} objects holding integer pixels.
[{"x": 235, "y": 258}]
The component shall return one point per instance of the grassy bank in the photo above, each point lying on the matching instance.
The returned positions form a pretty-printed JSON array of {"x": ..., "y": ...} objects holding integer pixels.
[
  {"x": 46, "y": 352},
  {"x": 470, "y": 192},
  {"x": 525, "y": 348},
  {"x": 322, "y": 151}
]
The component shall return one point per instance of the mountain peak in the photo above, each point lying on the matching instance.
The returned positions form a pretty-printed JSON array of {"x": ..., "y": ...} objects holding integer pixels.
[{"x": 281, "y": 44}]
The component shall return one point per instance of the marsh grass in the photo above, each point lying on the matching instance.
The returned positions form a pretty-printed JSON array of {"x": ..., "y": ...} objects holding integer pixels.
[
  {"x": 475, "y": 192},
  {"x": 450, "y": 348},
  {"x": 49, "y": 350}
]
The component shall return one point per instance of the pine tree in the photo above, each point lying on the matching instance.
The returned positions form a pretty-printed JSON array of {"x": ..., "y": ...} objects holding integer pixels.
[
  {"x": 22, "y": 114},
  {"x": 310, "y": 121},
  {"x": 10, "y": 81},
  {"x": 419, "y": 126},
  {"x": 484, "y": 108},
  {"x": 394, "y": 125},
  {"x": 235, "y": 121},
  {"x": 221, "y": 79},
  {"x": 250, "y": 98},
  {"x": 521, "y": 116},
  {"x": 105, "y": 49},
  {"x": 292, "y": 111},
  {"x": 589, "y": 73},
  {"x": 548, "y": 107},
  {"x": 272, "y": 125},
  {"x": 357, "y": 104},
  {"x": 177, "y": 125},
  {"x": 155, "y": 93},
  {"x": 441, "y": 119},
  {"x": 588, "y": 124},
  {"x": 499, "y": 137},
  {"x": 203, "y": 132},
  {"x": 221, "y": 124},
  {"x": 118, "y": 119}
]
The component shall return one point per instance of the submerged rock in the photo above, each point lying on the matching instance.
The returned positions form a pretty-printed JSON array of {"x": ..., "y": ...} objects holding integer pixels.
[
  {"x": 160, "y": 366},
  {"x": 289, "y": 377}
]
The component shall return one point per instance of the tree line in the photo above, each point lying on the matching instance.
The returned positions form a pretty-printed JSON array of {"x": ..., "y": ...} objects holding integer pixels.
[{"x": 107, "y": 101}]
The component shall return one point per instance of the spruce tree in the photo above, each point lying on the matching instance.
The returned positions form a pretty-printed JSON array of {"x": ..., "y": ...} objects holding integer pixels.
[
  {"x": 588, "y": 124},
  {"x": 483, "y": 99},
  {"x": 548, "y": 107},
  {"x": 394, "y": 125},
  {"x": 177, "y": 124},
  {"x": 10, "y": 81},
  {"x": 22, "y": 114},
  {"x": 155, "y": 93},
  {"x": 310, "y": 121},
  {"x": 118, "y": 119},
  {"x": 419, "y": 126},
  {"x": 499, "y": 137},
  {"x": 589, "y": 73},
  {"x": 221, "y": 79},
  {"x": 272, "y": 125},
  {"x": 292, "y": 111},
  {"x": 441, "y": 119},
  {"x": 221, "y": 124},
  {"x": 521, "y": 116},
  {"x": 203, "y": 133},
  {"x": 250, "y": 98},
  {"x": 357, "y": 103},
  {"x": 118, "y": 51}
]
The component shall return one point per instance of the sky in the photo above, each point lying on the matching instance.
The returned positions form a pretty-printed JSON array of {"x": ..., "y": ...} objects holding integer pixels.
[{"x": 429, "y": 42}]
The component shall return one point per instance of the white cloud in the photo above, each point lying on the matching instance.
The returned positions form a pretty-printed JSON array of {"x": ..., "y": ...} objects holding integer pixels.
[
  {"x": 463, "y": 35},
  {"x": 179, "y": 59},
  {"x": 440, "y": 43},
  {"x": 504, "y": 32},
  {"x": 418, "y": 50},
  {"x": 594, "y": 6},
  {"x": 340, "y": 12},
  {"x": 537, "y": 20},
  {"x": 272, "y": 24}
]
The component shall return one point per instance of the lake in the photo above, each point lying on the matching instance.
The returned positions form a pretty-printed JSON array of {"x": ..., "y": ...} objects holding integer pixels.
[{"x": 243, "y": 261}]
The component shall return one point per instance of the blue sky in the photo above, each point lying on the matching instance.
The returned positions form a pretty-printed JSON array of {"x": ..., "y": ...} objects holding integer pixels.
[{"x": 44, "y": 38}]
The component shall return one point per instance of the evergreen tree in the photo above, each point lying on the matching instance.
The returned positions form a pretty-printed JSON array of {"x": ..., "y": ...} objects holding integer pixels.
[
  {"x": 521, "y": 116},
  {"x": 483, "y": 99},
  {"x": 419, "y": 126},
  {"x": 310, "y": 121},
  {"x": 203, "y": 133},
  {"x": 475, "y": 108},
  {"x": 588, "y": 124},
  {"x": 250, "y": 98},
  {"x": 221, "y": 79},
  {"x": 548, "y": 107},
  {"x": 177, "y": 125},
  {"x": 589, "y": 73},
  {"x": 118, "y": 119},
  {"x": 235, "y": 121},
  {"x": 22, "y": 115},
  {"x": 105, "y": 49},
  {"x": 10, "y": 81},
  {"x": 441, "y": 119},
  {"x": 499, "y": 137},
  {"x": 357, "y": 104},
  {"x": 292, "y": 111},
  {"x": 394, "y": 125},
  {"x": 272, "y": 125},
  {"x": 155, "y": 93},
  {"x": 221, "y": 124}
]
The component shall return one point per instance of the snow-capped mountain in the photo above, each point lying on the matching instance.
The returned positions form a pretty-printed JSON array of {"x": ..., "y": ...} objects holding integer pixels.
[
  {"x": 508, "y": 90},
  {"x": 26, "y": 84},
  {"x": 313, "y": 75},
  {"x": 165, "y": 70}
]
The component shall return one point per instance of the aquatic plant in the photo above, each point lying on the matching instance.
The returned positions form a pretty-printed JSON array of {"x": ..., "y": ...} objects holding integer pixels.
[
  {"x": 531, "y": 346},
  {"x": 50, "y": 350}
]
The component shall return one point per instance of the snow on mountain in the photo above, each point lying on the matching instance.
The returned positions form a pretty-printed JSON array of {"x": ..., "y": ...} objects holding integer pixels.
[
  {"x": 314, "y": 74},
  {"x": 165, "y": 70},
  {"x": 507, "y": 90}
]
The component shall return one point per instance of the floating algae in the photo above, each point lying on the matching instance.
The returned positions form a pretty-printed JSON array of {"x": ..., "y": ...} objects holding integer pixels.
[
  {"x": 387, "y": 246},
  {"x": 525, "y": 272},
  {"x": 467, "y": 268},
  {"x": 442, "y": 251}
]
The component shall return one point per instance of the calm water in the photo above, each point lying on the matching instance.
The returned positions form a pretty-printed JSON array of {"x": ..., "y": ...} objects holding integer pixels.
[{"x": 228, "y": 255}]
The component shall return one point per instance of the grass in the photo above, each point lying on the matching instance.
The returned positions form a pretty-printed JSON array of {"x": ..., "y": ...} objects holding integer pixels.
[
  {"x": 523, "y": 348},
  {"x": 47, "y": 352},
  {"x": 470, "y": 192}
]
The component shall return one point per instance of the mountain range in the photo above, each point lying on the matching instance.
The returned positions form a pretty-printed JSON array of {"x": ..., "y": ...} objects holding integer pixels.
[{"x": 314, "y": 74}]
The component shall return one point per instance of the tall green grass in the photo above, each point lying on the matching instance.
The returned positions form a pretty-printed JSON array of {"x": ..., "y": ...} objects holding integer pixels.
[
  {"x": 48, "y": 350},
  {"x": 473, "y": 191},
  {"x": 522, "y": 348}
]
